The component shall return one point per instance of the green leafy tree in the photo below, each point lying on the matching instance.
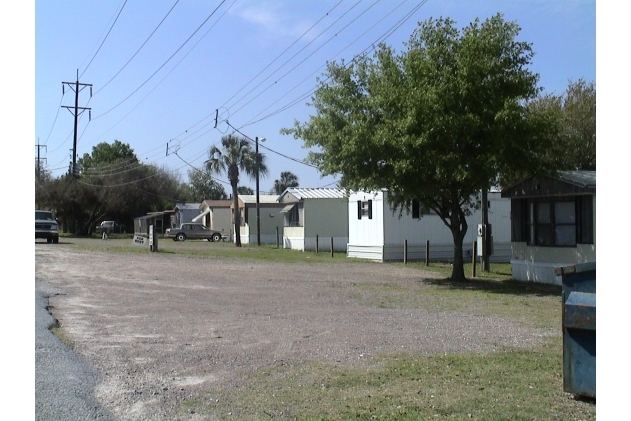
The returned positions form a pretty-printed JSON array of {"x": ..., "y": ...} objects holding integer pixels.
[
  {"x": 438, "y": 122},
  {"x": 244, "y": 190},
  {"x": 202, "y": 186},
  {"x": 574, "y": 145},
  {"x": 235, "y": 155},
  {"x": 287, "y": 179},
  {"x": 112, "y": 184},
  {"x": 108, "y": 158}
]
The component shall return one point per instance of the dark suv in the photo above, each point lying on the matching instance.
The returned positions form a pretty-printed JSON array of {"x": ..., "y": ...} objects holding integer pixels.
[{"x": 46, "y": 226}]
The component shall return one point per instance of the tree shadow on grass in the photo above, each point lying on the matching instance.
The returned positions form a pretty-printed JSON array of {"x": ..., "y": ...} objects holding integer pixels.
[{"x": 509, "y": 287}]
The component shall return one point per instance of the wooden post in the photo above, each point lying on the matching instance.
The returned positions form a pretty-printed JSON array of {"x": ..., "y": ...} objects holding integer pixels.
[
  {"x": 405, "y": 252},
  {"x": 427, "y": 253},
  {"x": 473, "y": 258},
  {"x": 317, "y": 244},
  {"x": 331, "y": 246}
]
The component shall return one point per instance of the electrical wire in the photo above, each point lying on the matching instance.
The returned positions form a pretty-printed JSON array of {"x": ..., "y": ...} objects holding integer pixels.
[
  {"x": 167, "y": 75},
  {"x": 108, "y": 33},
  {"x": 163, "y": 64},
  {"x": 269, "y": 149},
  {"x": 301, "y": 50},
  {"x": 141, "y": 47}
]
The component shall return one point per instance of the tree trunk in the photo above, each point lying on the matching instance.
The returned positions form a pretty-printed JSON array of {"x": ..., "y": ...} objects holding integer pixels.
[
  {"x": 458, "y": 230},
  {"x": 237, "y": 215}
]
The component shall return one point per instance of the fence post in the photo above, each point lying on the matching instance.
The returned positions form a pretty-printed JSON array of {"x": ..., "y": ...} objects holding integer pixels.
[
  {"x": 405, "y": 252},
  {"x": 317, "y": 244},
  {"x": 331, "y": 246},
  {"x": 473, "y": 257},
  {"x": 427, "y": 253}
]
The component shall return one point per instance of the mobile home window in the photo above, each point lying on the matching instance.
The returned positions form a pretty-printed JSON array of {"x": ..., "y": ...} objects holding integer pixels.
[
  {"x": 563, "y": 222},
  {"x": 364, "y": 208}
]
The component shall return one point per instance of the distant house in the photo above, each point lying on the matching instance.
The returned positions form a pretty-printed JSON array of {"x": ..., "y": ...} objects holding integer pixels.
[
  {"x": 159, "y": 220},
  {"x": 216, "y": 215},
  {"x": 184, "y": 212},
  {"x": 271, "y": 220},
  {"x": 377, "y": 232},
  {"x": 311, "y": 212},
  {"x": 553, "y": 223}
]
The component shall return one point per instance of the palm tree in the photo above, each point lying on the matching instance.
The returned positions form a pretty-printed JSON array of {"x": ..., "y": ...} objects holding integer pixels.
[
  {"x": 287, "y": 179},
  {"x": 236, "y": 154}
]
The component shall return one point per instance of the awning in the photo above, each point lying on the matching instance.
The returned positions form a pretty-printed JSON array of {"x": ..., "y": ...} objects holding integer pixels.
[
  {"x": 198, "y": 217},
  {"x": 287, "y": 208}
]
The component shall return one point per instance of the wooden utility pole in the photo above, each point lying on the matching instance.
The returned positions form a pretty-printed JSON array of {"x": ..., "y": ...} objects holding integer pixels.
[
  {"x": 486, "y": 266},
  {"x": 39, "y": 147},
  {"x": 76, "y": 87}
]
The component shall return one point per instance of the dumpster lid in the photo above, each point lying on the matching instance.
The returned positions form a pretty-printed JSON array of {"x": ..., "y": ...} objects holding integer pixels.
[{"x": 577, "y": 268}]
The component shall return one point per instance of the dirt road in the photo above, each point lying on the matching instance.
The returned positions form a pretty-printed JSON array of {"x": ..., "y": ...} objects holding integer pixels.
[{"x": 165, "y": 328}]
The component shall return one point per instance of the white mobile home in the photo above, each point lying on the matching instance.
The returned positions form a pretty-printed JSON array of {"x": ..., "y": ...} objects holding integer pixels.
[
  {"x": 314, "y": 214},
  {"x": 553, "y": 224},
  {"x": 376, "y": 232}
]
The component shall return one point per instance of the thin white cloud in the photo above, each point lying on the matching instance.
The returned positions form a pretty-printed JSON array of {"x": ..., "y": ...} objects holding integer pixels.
[{"x": 275, "y": 17}]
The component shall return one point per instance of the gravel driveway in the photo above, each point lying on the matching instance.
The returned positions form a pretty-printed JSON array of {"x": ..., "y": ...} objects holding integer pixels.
[{"x": 163, "y": 328}]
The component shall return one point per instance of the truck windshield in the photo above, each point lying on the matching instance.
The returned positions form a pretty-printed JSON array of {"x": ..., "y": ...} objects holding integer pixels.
[{"x": 45, "y": 216}]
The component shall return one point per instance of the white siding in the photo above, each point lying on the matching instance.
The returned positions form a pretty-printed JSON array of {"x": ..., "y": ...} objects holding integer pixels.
[{"x": 382, "y": 238}]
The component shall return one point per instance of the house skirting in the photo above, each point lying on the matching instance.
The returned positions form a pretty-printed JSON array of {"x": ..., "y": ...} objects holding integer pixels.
[
  {"x": 309, "y": 243},
  {"x": 416, "y": 252},
  {"x": 265, "y": 239},
  {"x": 522, "y": 270}
]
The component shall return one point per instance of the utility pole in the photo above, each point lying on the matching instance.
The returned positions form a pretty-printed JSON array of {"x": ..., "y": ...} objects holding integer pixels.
[
  {"x": 38, "y": 157},
  {"x": 486, "y": 265},
  {"x": 76, "y": 87},
  {"x": 258, "y": 210}
]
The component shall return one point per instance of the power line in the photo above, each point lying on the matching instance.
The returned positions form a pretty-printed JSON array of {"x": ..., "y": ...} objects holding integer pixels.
[
  {"x": 269, "y": 149},
  {"x": 301, "y": 50},
  {"x": 137, "y": 51},
  {"x": 108, "y": 33},
  {"x": 163, "y": 64},
  {"x": 167, "y": 75}
]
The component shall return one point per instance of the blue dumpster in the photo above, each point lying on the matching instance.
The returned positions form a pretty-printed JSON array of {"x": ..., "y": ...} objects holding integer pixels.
[{"x": 579, "y": 328}]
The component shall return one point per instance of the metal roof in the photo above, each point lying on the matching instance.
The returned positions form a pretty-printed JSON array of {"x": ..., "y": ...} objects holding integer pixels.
[
  {"x": 315, "y": 193},
  {"x": 563, "y": 183},
  {"x": 187, "y": 205},
  {"x": 581, "y": 178},
  {"x": 263, "y": 198},
  {"x": 216, "y": 203}
]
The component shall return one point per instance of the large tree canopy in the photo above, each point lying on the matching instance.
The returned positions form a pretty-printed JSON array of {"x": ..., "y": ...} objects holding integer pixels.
[
  {"x": 438, "y": 122},
  {"x": 574, "y": 146},
  {"x": 202, "y": 186},
  {"x": 112, "y": 184}
]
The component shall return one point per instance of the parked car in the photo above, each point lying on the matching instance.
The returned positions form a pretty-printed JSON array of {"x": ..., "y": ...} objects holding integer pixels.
[
  {"x": 46, "y": 226},
  {"x": 193, "y": 232},
  {"x": 107, "y": 226}
]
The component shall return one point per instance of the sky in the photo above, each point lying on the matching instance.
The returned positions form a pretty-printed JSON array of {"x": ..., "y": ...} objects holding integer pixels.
[
  {"x": 160, "y": 71},
  {"x": 252, "y": 60}
]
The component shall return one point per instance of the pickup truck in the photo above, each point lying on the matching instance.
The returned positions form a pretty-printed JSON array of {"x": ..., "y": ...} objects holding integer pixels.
[
  {"x": 46, "y": 226},
  {"x": 193, "y": 232}
]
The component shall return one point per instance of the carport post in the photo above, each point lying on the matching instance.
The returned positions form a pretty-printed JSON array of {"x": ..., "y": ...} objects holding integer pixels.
[
  {"x": 277, "y": 241},
  {"x": 405, "y": 252},
  {"x": 317, "y": 248},
  {"x": 427, "y": 253},
  {"x": 473, "y": 257}
]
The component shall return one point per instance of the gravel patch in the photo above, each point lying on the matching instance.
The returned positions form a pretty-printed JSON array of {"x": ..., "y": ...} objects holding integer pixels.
[{"x": 164, "y": 328}]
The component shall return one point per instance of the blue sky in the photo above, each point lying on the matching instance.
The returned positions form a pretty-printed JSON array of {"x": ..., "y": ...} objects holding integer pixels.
[{"x": 252, "y": 60}]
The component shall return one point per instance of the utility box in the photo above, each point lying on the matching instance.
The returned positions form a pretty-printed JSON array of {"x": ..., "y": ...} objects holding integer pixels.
[
  {"x": 489, "y": 239},
  {"x": 579, "y": 328}
]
